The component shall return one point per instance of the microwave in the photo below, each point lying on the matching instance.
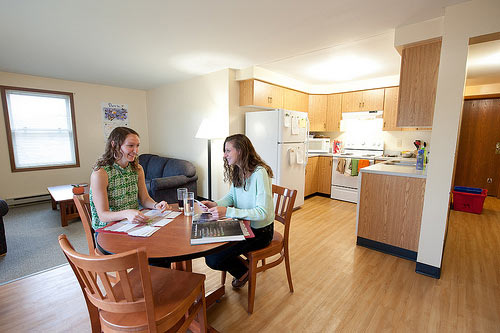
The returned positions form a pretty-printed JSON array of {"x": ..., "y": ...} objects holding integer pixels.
[{"x": 318, "y": 145}]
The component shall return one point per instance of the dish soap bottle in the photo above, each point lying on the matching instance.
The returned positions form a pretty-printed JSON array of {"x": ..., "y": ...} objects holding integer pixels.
[{"x": 421, "y": 159}]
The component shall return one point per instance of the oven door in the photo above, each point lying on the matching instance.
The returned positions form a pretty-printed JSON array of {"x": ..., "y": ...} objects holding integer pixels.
[{"x": 344, "y": 187}]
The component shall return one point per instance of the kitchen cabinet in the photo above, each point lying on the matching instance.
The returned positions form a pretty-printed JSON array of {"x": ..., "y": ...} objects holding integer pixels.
[
  {"x": 318, "y": 175},
  {"x": 295, "y": 100},
  {"x": 391, "y": 109},
  {"x": 261, "y": 94},
  {"x": 311, "y": 184},
  {"x": 334, "y": 112},
  {"x": 365, "y": 100},
  {"x": 390, "y": 211},
  {"x": 324, "y": 174},
  {"x": 318, "y": 107},
  {"x": 391, "y": 112},
  {"x": 418, "y": 84}
]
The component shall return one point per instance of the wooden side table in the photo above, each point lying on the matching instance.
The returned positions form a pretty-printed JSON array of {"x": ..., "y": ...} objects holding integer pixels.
[{"x": 63, "y": 195}]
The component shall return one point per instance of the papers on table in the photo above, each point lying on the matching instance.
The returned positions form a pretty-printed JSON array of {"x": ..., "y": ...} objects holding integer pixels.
[{"x": 157, "y": 219}]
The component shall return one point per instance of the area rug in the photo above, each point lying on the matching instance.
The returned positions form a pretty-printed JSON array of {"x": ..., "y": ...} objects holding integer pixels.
[{"x": 32, "y": 245}]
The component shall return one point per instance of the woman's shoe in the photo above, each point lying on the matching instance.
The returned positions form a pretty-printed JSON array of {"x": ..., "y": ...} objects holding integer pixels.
[{"x": 237, "y": 283}]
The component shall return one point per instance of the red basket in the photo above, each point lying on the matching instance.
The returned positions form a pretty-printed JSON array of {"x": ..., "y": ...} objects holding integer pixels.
[{"x": 469, "y": 202}]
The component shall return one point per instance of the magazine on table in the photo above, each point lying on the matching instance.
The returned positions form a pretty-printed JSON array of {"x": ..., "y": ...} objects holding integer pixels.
[{"x": 215, "y": 231}]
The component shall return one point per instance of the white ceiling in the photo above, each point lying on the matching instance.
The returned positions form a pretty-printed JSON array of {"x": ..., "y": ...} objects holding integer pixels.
[{"x": 149, "y": 43}]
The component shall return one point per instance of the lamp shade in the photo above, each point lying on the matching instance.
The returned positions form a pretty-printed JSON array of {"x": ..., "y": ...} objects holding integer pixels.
[{"x": 209, "y": 129}]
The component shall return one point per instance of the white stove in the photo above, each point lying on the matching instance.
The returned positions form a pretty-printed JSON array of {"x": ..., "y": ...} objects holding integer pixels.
[{"x": 344, "y": 185}]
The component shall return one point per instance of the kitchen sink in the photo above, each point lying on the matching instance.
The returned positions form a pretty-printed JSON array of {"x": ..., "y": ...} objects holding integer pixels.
[{"x": 399, "y": 162}]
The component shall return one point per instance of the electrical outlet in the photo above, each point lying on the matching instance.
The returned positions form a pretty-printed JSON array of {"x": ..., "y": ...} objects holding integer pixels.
[{"x": 400, "y": 143}]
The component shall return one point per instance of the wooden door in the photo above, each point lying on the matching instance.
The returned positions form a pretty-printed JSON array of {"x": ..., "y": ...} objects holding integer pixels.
[
  {"x": 295, "y": 100},
  {"x": 325, "y": 174},
  {"x": 351, "y": 102},
  {"x": 317, "y": 112},
  {"x": 373, "y": 99},
  {"x": 311, "y": 185},
  {"x": 334, "y": 112},
  {"x": 477, "y": 164},
  {"x": 267, "y": 95}
]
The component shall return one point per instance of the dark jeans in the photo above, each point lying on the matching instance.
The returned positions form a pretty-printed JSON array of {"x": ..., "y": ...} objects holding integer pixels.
[{"x": 227, "y": 259}]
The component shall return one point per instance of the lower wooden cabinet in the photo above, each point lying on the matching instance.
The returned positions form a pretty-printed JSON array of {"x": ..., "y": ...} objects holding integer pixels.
[
  {"x": 390, "y": 209},
  {"x": 318, "y": 175}
]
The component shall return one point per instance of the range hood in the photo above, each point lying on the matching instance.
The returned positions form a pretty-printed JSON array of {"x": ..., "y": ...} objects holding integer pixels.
[{"x": 362, "y": 115}]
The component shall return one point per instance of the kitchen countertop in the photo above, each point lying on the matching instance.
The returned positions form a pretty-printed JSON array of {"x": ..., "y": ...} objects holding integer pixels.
[
  {"x": 319, "y": 154},
  {"x": 401, "y": 169}
]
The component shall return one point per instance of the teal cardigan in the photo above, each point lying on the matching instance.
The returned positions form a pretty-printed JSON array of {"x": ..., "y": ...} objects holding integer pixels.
[{"x": 254, "y": 202}]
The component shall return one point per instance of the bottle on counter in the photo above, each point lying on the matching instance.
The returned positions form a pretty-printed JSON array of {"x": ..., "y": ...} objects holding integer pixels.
[{"x": 421, "y": 159}]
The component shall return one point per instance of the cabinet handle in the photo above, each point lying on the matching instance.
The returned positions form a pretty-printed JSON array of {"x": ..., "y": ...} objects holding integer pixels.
[{"x": 269, "y": 100}]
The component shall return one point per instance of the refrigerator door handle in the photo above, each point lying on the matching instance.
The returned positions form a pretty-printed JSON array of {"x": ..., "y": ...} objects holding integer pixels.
[{"x": 307, "y": 142}]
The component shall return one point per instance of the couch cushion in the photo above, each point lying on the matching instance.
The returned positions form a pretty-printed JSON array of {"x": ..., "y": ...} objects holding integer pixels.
[
  {"x": 155, "y": 167},
  {"x": 144, "y": 159},
  {"x": 175, "y": 167}
]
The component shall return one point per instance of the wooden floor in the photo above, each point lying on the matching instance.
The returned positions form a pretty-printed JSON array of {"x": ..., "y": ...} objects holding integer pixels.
[{"x": 338, "y": 286}]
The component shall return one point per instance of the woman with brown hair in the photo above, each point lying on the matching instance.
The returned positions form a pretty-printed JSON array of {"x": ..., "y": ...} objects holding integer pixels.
[
  {"x": 249, "y": 198},
  {"x": 117, "y": 184}
]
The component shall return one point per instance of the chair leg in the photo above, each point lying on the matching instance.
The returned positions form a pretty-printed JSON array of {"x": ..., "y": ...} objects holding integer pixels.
[
  {"x": 252, "y": 280},
  {"x": 288, "y": 271},
  {"x": 223, "y": 278}
]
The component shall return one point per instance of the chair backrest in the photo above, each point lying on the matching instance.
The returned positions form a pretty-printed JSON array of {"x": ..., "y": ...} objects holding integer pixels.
[
  {"x": 283, "y": 208},
  {"x": 93, "y": 274},
  {"x": 82, "y": 203}
]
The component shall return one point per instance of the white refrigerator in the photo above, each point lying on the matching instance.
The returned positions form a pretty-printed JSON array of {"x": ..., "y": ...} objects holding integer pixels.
[{"x": 280, "y": 138}]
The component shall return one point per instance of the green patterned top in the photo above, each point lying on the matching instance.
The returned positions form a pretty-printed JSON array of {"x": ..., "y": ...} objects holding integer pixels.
[{"x": 123, "y": 191}]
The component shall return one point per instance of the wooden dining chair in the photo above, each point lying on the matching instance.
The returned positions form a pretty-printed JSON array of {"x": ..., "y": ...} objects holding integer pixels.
[
  {"x": 146, "y": 299},
  {"x": 82, "y": 203},
  {"x": 283, "y": 208}
]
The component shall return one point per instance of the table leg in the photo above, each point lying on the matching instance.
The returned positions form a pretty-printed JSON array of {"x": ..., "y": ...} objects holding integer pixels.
[
  {"x": 186, "y": 265},
  {"x": 64, "y": 217},
  {"x": 54, "y": 203}
]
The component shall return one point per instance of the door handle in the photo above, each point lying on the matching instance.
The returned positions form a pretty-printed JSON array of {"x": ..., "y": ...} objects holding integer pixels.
[{"x": 497, "y": 148}]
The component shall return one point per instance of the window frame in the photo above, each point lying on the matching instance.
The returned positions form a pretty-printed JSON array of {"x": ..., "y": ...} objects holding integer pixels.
[{"x": 13, "y": 166}]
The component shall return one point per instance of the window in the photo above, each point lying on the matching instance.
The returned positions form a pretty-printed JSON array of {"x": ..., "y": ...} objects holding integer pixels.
[{"x": 40, "y": 128}]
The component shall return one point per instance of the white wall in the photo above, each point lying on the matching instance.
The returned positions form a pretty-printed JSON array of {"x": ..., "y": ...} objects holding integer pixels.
[
  {"x": 175, "y": 112},
  {"x": 462, "y": 21},
  {"x": 89, "y": 128}
]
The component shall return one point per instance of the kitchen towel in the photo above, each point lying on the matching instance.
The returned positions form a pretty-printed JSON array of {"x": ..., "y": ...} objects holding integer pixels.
[
  {"x": 354, "y": 167},
  {"x": 341, "y": 165},
  {"x": 347, "y": 171},
  {"x": 363, "y": 164}
]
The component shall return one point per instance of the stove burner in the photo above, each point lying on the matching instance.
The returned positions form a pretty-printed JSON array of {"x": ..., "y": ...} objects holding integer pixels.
[
  {"x": 346, "y": 154},
  {"x": 368, "y": 155}
]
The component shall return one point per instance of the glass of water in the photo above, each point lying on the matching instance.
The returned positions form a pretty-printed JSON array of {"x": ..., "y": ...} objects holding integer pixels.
[
  {"x": 181, "y": 192},
  {"x": 189, "y": 204}
]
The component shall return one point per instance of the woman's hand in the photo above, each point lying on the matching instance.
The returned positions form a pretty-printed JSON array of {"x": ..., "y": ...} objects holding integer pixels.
[
  {"x": 135, "y": 216},
  {"x": 161, "y": 206},
  {"x": 218, "y": 212},
  {"x": 209, "y": 204}
]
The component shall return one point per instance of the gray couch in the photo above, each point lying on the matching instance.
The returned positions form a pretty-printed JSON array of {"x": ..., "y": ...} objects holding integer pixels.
[
  {"x": 4, "y": 208},
  {"x": 165, "y": 175}
]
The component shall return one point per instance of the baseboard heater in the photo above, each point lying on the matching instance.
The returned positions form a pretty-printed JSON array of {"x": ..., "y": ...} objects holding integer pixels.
[{"x": 27, "y": 200}]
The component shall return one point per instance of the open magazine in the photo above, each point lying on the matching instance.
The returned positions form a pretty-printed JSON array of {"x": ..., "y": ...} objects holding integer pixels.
[{"x": 220, "y": 231}]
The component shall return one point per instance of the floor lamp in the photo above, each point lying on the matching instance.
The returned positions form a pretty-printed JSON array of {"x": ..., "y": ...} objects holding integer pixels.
[{"x": 208, "y": 131}]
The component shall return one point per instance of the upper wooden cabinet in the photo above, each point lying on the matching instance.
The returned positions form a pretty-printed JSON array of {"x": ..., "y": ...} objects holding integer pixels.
[
  {"x": 391, "y": 109},
  {"x": 418, "y": 83},
  {"x": 295, "y": 100},
  {"x": 317, "y": 112},
  {"x": 258, "y": 93},
  {"x": 334, "y": 112},
  {"x": 365, "y": 100}
]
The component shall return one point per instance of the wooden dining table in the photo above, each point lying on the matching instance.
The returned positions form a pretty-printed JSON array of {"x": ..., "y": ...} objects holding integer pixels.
[{"x": 170, "y": 243}]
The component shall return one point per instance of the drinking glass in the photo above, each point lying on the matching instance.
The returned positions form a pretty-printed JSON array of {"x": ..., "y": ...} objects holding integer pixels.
[
  {"x": 189, "y": 204},
  {"x": 181, "y": 192}
]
